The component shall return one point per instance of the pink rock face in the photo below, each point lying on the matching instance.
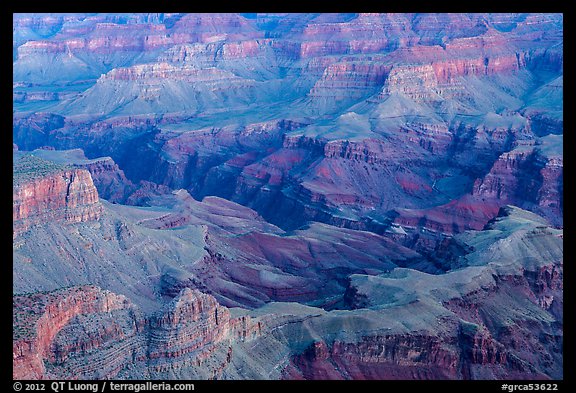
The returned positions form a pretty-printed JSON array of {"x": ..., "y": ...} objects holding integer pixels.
[
  {"x": 446, "y": 71},
  {"x": 243, "y": 49},
  {"x": 207, "y": 319},
  {"x": 376, "y": 357},
  {"x": 68, "y": 196},
  {"x": 463, "y": 214},
  {"x": 550, "y": 194},
  {"x": 349, "y": 80},
  {"x": 526, "y": 176},
  {"x": 407, "y": 357},
  {"x": 109, "y": 180},
  {"x": 367, "y": 33},
  {"x": 415, "y": 82},
  {"x": 39, "y": 318},
  {"x": 194, "y": 323},
  {"x": 139, "y": 39},
  {"x": 189, "y": 329}
]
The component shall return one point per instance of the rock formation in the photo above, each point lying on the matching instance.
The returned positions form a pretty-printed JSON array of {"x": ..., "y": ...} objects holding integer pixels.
[
  {"x": 45, "y": 192},
  {"x": 301, "y": 196},
  {"x": 528, "y": 175},
  {"x": 40, "y": 317},
  {"x": 96, "y": 333}
]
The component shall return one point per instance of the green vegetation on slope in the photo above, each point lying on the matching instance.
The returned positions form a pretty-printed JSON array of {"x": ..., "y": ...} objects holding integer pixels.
[{"x": 27, "y": 168}]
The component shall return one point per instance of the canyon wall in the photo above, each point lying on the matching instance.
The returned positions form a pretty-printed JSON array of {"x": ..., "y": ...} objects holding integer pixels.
[
  {"x": 97, "y": 333},
  {"x": 66, "y": 195}
]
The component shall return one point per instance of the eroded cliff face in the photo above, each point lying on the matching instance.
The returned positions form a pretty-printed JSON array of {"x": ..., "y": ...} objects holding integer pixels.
[
  {"x": 479, "y": 312},
  {"x": 191, "y": 328},
  {"x": 89, "y": 333},
  {"x": 109, "y": 179},
  {"x": 376, "y": 357},
  {"x": 412, "y": 93},
  {"x": 395, "y": 325},
  {"x": 67, "y": 195},
  {"x": 39, "y": 317},
  {"x": 349, "y": 80},
  {"x": 529, "y": 176}
]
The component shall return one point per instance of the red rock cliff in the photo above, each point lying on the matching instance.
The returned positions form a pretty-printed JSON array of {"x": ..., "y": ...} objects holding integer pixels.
[
  {"x": 39, "y": 317},
  {"x": 96, "y": 333},
  {"x": 67, "y": 195}
]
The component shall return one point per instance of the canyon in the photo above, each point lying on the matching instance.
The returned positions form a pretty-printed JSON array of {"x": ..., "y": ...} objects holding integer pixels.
[{"x": 288, "y": 196}]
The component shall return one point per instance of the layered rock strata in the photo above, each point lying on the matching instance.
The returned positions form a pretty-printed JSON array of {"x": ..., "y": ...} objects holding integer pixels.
[
  {"x": 89, "y": 333},
  {"x": 55, "y": 194}
]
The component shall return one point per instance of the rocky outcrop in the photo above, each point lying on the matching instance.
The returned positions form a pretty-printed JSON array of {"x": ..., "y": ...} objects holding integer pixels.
[
  {"x": 113, "y": 185},
  {"x": 166, "y": 71},
  {"x": 376, "y": 357},
  {"x": 529, "y": 176},
  {"x": 417, "y": 82},
  {"x": 20, "y": 96},
  {"x": 38, "y": 318},
  {"x": 349, "y": 80},
  {"x": 109, "y": 179},
  {"x": 501, "y": 182},
  {"x": 479, "y": 348},
  {"x": 447, "y": 71},
  {"x": 302, "y": 141},
  {"x": 191, "y": 321},
  {"x": 45, "y": 192},
  {"x": 97, "y": 334},
  {"x": 465, "y": 213},
  {"x": 192, "y": 326},
  {"x": 550, "y": 195}
]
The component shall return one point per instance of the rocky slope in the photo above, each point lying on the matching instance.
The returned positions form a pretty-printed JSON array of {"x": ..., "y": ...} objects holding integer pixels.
[
  {"x": 499, "y": 316},
  {"x": 303, "y": 196},
  {"x": 394, "y": 325},
  {"x": 528, "y": 175},
  {"x": 43, "y": 192},
  {"x": 96, "y": 333},
  {"x": 469, "y": 335}
]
